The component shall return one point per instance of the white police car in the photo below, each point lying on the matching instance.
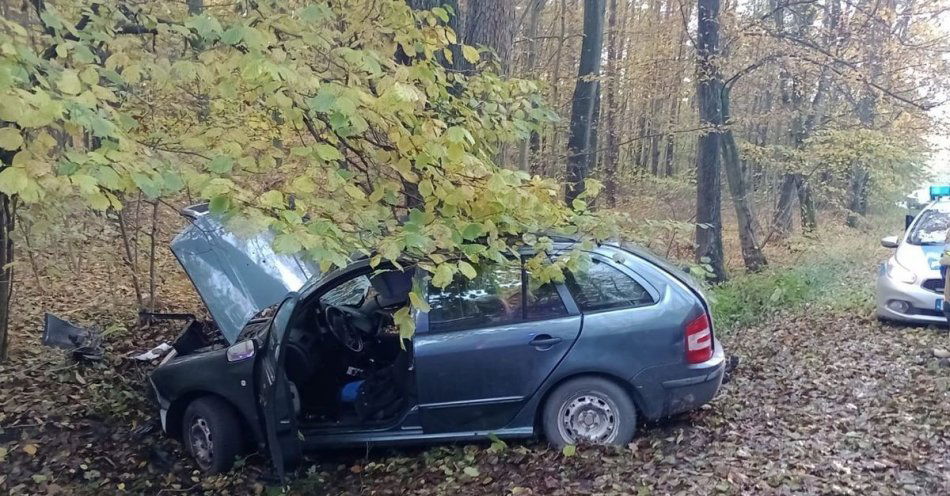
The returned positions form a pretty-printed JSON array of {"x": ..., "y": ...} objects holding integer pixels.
[{"x": 909, "y": 284}]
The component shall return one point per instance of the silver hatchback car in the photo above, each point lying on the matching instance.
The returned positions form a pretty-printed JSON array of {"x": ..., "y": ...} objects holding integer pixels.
[{"x": 909, "y": 284}]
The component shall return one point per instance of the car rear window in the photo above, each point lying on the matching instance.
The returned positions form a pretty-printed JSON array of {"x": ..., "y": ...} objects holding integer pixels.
[
  {"x": 492, "y": 298},
  {"x": 495, "y": 297},
  {"x": 603, "y": 287}
]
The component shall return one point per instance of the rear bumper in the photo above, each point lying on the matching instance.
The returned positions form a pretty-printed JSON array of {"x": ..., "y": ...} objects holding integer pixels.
[
  {"x": 671, "y": 389},
  {"x": 922, "y": 301}
]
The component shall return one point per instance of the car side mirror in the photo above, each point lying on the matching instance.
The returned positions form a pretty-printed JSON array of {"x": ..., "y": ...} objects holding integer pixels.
[
  {"x": 908, "y": 220},
  {"x": 889, "y": 242}
]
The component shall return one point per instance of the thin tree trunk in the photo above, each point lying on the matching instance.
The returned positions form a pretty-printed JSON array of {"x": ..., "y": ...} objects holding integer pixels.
[
  {"x": 612, "y": 80},
  {"x": 529, "y": 146},
  {"x": 807, "y": 204},
  {"x": 153, "y": 241},
  {"x": 584, "y": 102},
  {"x": 131, "y": 259},
  {"x": 751, "y": 251},
  {"x": 782, "y": 220},
  {"x": 7, "y": 226},
  {"x": 556, "y": 74}
]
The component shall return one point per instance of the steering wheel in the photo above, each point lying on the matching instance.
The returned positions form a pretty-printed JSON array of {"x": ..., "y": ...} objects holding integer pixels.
[{"x": 339, "y": 322}]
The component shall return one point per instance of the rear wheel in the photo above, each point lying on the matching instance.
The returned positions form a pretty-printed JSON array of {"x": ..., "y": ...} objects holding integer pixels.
[
  {"x": 589, "y": 410},
  {"x": 212, "y": 434}
]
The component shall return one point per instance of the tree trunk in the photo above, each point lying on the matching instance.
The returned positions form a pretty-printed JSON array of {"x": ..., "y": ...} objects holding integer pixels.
[
  {"x": 584, "y": 100},
  {"x": 490, "y": 23},
  {"x": 593, "y": 155},
  {"x": 530, "y": 146},
  {"x": 807, "y": 204},
  {"x": 7, "y": 225},
  {"x": 782, "y": 220},
  {"x": 612, "y": 149},
  {"x": 708, "y": 186},
  {"x": 751, "y": 251}
]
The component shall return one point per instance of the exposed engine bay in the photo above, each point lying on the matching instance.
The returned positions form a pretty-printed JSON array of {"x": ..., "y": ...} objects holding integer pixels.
[{"x": 343, "y": 357}]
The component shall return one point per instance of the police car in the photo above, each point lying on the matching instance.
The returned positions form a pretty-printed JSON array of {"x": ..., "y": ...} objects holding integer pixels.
[{"x": 909, "y": 284}]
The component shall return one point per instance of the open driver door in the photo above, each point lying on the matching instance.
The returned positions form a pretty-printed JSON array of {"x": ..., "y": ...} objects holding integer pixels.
[{"x": 275, "y": 400}]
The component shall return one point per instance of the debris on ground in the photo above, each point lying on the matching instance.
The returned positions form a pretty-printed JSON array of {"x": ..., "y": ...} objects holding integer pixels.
[
  {"x": 83, "y": 343},
  {"x": 154, "y": 353}
]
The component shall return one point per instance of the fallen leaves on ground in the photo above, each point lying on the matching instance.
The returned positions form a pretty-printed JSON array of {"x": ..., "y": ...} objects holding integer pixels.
[{"x": 822, "y": 403}]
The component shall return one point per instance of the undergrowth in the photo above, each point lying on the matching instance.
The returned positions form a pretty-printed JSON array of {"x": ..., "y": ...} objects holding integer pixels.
[{"x": 835, "y": 274}]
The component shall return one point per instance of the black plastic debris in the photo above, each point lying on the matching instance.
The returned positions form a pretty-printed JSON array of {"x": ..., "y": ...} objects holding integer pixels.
[
  {"x": 82, "y": 343},
  {"x": 732, "y": 363}
]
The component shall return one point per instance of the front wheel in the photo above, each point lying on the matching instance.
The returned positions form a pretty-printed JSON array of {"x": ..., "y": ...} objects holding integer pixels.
[
  {"x": 212, "y": 434},
  {"x": 589, "y": 410}
]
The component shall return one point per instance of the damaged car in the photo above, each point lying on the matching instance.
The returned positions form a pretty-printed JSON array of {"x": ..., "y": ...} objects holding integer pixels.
[{"x": 296, "y": 360}]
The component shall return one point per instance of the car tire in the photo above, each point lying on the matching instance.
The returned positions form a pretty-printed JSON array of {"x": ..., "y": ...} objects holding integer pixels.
[
  {"x": 211, "y": 433},
  {"x": 589, "y": 410}
]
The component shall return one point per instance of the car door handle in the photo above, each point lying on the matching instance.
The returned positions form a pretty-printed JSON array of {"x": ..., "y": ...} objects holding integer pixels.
[{"x": 544, "y": 341}]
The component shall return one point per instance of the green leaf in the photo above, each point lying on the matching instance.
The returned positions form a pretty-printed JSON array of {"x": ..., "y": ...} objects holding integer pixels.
[
  {"x": 146, "y": 184},
  {"x": 219, "y": 203},
  {"x": 89, "y": 75},
  {"x": 471, "y": 471},
  {"x": 206, "y": 26},
  {"x": 87, "y": 184},
  {"x": 272, "y": 199},
  {"x": 470, "y": 53},
  {"x": 467, "y": 269},
  {"x": 569, "y": 450},
  {"x": 13, "y": 180},
  {"x": 287, "y": 243},
  {"x": 69, "y": 82},
  {"x": 418, "y": 302},
  {"x": 221, "y": 164},
  {"x": 472, "y": 231},
  {"x": 10, "y": 138},
  {"x": 497, "y": 444},
  {"x": 443, "y": 275},
  {"x": 233, "y": 35},
  {"x": 328, "y": 152},
  {"x": 406, "y": 324},
  {"x": 323, "y": 102}
]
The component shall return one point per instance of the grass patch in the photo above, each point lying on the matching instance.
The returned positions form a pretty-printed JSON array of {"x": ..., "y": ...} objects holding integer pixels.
[{"x": 831, "y": 275}]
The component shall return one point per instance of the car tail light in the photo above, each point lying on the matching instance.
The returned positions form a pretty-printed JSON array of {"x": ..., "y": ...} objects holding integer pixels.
[
  {"x": 241, "y": 351},
  {"x": 699, "y": 343}
]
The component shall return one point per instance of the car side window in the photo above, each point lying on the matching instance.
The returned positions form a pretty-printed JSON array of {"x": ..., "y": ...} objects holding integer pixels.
[
  {"x": 602, "y": 287},
  {"x": 543, "y": 300},
  {"x": 492, "y": 298}
]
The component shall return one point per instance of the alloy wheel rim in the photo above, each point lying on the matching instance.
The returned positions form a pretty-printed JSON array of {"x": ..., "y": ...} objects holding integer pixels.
[
  {"x": 201, "y": 442},
  {"x": 588, "y": 418}
]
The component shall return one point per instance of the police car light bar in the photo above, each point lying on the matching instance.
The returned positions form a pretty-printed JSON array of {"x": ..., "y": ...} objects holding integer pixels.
[{"x": 941, "y": 191}]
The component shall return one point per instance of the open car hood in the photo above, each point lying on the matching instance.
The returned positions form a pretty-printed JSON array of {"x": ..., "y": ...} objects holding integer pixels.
[{"x": 236, "y": 276}]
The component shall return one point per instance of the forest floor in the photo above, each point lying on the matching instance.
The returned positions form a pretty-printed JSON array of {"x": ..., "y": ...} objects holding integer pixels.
[{"x": 826, "y": 401}]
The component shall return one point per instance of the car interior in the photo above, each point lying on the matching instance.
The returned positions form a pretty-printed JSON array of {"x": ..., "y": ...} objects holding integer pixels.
[{"x": 344, "y": 359}]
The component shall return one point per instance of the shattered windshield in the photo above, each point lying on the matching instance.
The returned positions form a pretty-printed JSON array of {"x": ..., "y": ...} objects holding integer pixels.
[
  {"x": 931, "y": 228},
  {"x": 349, "y": 292}
]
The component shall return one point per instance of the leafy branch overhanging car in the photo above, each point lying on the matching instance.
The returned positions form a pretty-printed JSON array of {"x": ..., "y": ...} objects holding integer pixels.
[{"x": 296, "y": 360}]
